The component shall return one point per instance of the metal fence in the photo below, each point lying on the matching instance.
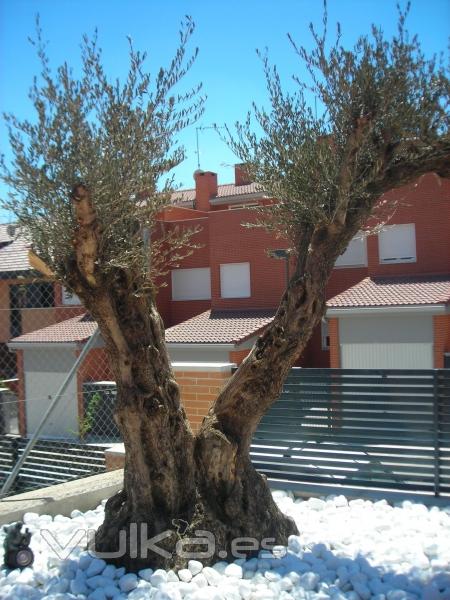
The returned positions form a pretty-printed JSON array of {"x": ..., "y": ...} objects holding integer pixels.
[
  {"x": 42, "y": 332},
  {"x": 385, "y": 429}
]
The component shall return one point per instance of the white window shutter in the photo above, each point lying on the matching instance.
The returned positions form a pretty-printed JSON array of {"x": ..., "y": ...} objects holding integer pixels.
[
  {"x": 355, "y": 255},
  {"x": 235, "y": 280},
  {"x": 397, "y": 243},
  {"x": 191, "y": 284}
]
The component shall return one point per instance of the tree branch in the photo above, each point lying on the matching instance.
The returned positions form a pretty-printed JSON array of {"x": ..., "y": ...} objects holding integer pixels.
[{"x": 86, "y": 235}]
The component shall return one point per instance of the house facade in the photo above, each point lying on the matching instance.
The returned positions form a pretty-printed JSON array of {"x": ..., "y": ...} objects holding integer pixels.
[{"x": 388, "y": 296}]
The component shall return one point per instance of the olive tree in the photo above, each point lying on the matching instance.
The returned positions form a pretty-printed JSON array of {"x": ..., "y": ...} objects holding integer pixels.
[{"x": 85, "y": 178}]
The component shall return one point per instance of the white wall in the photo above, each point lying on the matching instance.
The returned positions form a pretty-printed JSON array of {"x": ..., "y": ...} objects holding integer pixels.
[
  {"x": 45, "y": 370},
  {"x": 191, "y": 353},
  {"x": 388, "y": 342}
]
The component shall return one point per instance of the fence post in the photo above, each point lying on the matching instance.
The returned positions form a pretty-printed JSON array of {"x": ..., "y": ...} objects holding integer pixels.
[{"x": 436, "y": 427}]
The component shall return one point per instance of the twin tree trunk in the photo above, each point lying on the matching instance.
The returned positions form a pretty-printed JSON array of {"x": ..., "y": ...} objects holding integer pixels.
[
  {"x": 179, "y": 489},
  {"x": 178, "y": 486}
]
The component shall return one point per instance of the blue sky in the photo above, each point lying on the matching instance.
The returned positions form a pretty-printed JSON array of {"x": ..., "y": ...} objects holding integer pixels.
[{"x": 227, "y": 34}]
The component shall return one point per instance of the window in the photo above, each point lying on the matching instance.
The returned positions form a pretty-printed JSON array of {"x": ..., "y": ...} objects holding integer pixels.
[
  {"x": 32, "y": 295},
  {"x": 69, "y": 298},
  {"x": 325, "y": 335},
  {"x": 235, "y": 280},
  {"x": 238, "y": 206},
  {"x": 355, "y": 254},
  {"x": 191, "y": 284},
  {"x": 397, "y": 243}
]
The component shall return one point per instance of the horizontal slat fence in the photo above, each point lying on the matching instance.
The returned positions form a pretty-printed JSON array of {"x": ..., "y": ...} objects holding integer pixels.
[
  {"x": 384, "y": 429},
  {"x": 50, "y": 462}
]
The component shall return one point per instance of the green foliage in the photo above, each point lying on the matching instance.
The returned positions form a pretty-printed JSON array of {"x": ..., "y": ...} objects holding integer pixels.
[
  {"x": 117, "y": 138},
  {"x": 86, "y": 423},
  {"x": 383, "y": 121}
]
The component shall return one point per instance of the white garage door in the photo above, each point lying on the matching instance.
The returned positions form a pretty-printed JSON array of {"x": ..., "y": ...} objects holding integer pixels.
[
  {"x": 391, "y": 342},
  {"x": 387, "y": 356}
]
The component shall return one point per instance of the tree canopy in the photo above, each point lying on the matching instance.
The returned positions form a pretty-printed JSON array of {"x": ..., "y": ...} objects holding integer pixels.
[
  {"x": 383, "y": 120},
  {"x": 117, "y": 139}
]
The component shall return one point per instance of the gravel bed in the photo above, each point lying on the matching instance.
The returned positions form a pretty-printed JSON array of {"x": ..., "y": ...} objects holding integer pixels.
[{"x": 347, "y": 550}]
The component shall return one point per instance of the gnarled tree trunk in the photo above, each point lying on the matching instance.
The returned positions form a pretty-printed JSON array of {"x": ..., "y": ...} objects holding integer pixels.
[{"x": 206, "y": 483}]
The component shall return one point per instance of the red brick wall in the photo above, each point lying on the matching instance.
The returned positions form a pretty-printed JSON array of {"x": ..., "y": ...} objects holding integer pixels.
[
  {"x": 233, "y": 243},
  {"x": 333, "y": 332},
  {"x": 427, "y": 204},
  {"x": 441, "y": 327},
  {"x": 198, "y": 390},
  {"x": 238, "y": 356}
]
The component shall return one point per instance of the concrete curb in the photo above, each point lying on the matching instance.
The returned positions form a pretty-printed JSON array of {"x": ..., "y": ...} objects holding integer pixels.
[{"x": 82, "y": 494}]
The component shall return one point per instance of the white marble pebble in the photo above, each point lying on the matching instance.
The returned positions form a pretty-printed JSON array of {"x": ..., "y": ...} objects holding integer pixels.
[
  {"x": 212, "y": 576},
  {"x": 111, "y": 591},
  {"x": 185, "y": 575},
  {"x": 128, "y": 582},
  {"x": 158, "y": 578},
  {"x": 97, "y": 581},
  {"x": 97, "y": 594},
  {"x": 172, "y": 577},
  {"x": 78, "y": 586},
  {"x": 109, "y": 571},
  {"x": 199, "y": 580},
  {"x": 145, "y": 574},
  {"x": 195, "y": 567},
  {"x": 221, "y": 566},
  {"x": 120, "y": 571},
  {"x": 95, "y": 567},
  {"x": 233, "y": 570}
]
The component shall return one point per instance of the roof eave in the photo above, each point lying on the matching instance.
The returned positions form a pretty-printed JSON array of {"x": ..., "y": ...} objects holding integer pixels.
[
  {"x": 348, "y": 311},
  {"x": 17, "y": 273},
  {"x": 236, "y": 198},
  {"x": 202, "y": 345},
  {"x": 34, "y": 345}
]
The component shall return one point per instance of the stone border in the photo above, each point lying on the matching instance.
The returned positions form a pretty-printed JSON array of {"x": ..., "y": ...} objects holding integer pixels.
[{"x": 82, "y": 494}]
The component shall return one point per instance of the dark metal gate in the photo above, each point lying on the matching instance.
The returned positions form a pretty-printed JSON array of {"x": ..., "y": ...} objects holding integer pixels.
[{"x": 384, "y": 429}]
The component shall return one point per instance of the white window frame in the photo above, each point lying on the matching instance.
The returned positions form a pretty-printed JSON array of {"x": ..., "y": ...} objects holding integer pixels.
[
  {"x": 199, "y": 292},
  {"x": 384, "y": 258},
  {"x": 246, "y": 292},
  {"x": 325, "y": 334},
  {"x": 343, "y": 262}
]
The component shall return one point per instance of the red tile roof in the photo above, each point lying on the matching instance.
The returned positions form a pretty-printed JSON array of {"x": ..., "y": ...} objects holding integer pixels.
[
  {"x": 220, "y": 327},
  {"x": 13, "y": 252},
  {"x": 77, "y": 329},
  {"x": 187, "y": 197},
  {"x": 210, "y": 327},
  {"x": 394, "y": 291}
]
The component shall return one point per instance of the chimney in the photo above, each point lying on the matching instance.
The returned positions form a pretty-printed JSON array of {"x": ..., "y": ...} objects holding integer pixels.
[
  {"x": 241, "y": 176},
  {"x": 205, "y": 188}
]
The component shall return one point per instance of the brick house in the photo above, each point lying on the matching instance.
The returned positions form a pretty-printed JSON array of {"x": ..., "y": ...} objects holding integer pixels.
[
  {"x": 388, "y": 296},
  {"x": 27, "y": 302}
]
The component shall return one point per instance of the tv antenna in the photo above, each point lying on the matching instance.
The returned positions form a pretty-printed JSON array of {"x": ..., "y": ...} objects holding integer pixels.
[{"x": 202, "y": 128}]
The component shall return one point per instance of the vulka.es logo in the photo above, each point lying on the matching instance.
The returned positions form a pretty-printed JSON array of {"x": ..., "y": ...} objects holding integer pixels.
[{"x": 136, "y": 543}]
